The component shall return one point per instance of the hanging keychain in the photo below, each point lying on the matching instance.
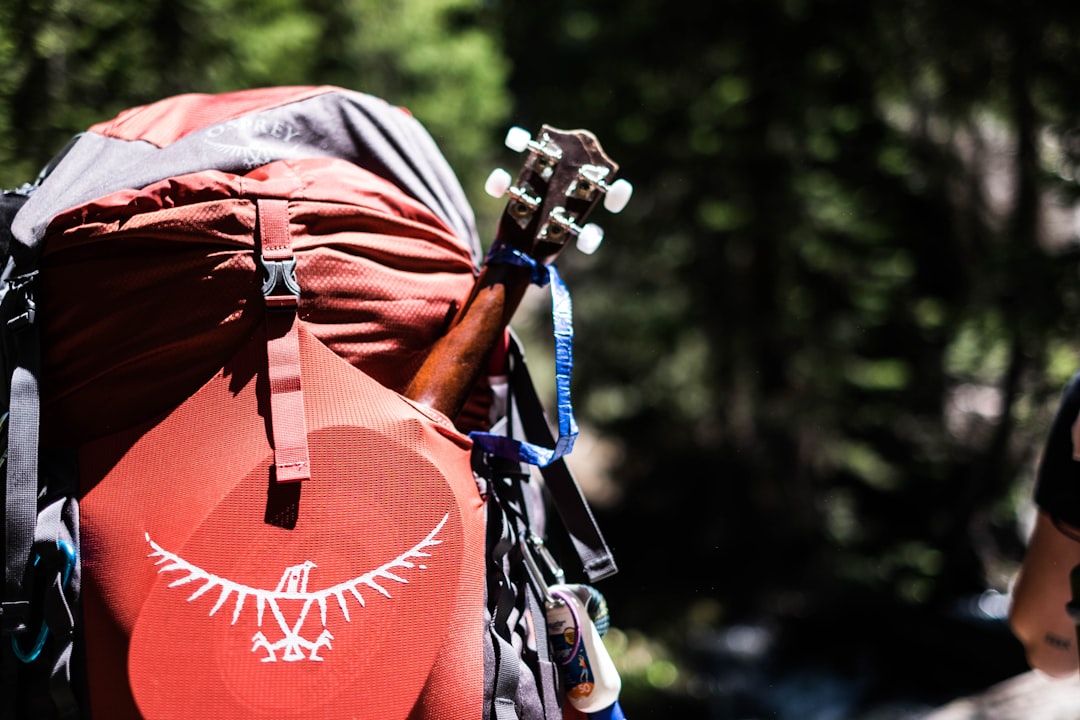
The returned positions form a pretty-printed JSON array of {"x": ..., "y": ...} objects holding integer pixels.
[{"x": 577, "y": 617}]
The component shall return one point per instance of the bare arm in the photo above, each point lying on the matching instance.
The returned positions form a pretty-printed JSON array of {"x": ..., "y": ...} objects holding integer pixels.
[
  {"x": 1037, "y": 615},
  {"x": 1042, "y": 589}
]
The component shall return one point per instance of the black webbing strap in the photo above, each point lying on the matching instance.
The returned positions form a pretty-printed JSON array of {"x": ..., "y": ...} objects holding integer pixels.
[
  {"x": 566, "y": 495},
  {"x": 21, "y": 486},
  {"x": 506, "y": 679},
  {"x": 20, "y": 507},
  {"x": 524, "y": 681},
  {"x": 57, "y": 543},
  {"x": 522, "y": 504},
  {"x": 41, "y": 573},
  {"x": 501, "y": 601}
]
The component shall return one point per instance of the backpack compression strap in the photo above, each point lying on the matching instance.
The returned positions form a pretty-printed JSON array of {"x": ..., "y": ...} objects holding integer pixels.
[
  {"x": 566, "y": 495},
  {"x": 17, "y": 310},
  {"x": 282, "y": 294},
  {"x": 21, "y": 458}
]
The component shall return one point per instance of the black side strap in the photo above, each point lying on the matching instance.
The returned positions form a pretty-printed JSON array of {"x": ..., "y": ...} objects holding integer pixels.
[
  {"x": 20, "y": 486},
  {"x": 548, "y": 685},
  {"x": 566, "y": 495},
  {"x": 524, "y": 684},
  {"x": 58, "y": 535},
  {"x": 501, "y": 604},
  {"x": 38, "y": 608},
  {"x": 20, "y": 507}
]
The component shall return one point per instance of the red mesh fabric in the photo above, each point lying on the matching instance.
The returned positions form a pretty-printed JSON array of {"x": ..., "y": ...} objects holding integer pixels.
[
  {"x": 167, "y": 121},
  {"x": 144, "y": 296},
  {"x": 145, "y": 293},
  {"x": 222, "y": 615}
]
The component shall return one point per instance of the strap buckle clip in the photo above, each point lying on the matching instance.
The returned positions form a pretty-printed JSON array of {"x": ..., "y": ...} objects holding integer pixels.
[
  {"x": 13, "y": 617},
  {"x": 21, "y": 289},
  {"x": 280, "y": 288}
]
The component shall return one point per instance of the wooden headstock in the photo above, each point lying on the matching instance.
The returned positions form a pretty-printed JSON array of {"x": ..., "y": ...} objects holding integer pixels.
[{"x": 565, "y": 175}]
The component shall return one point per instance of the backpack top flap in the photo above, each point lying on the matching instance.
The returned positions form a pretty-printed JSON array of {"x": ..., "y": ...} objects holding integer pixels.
[
  {"x": 145, "y": 293},
  {"x": 237, "y": 132}
]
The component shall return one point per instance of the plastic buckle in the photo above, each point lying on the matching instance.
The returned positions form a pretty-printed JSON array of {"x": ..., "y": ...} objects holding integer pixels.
[
  {"x": 66, "y": 554},
  {"x": 13, "y": 616},
  {"x": 280, "y": 288},
  {"x": 24, "y": 315}
]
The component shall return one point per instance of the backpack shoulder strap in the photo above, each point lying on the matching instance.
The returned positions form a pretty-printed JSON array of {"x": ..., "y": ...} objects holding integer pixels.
[
  {"x": 566, "y": 495},
  {"x": 38, "y": 600},
  {"x": 22, "y": 358}
]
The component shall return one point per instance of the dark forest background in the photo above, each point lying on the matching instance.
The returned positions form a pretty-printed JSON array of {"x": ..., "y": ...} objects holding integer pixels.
[{"x": 818, "y": 353}]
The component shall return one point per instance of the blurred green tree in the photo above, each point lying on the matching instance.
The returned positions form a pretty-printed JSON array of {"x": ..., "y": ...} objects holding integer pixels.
[
  {"x": 828, "y": 332},
  {"x": 69, "y": 64}
]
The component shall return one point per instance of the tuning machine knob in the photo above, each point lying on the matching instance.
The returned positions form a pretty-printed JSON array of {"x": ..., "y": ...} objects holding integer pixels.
[
  {"x": 518, "y": 139},
  {"x": 498, "y": 183},
  {"x": 591, "y": 179},
  {"x": 617, "y": 195},
  {"x": 589, "y": 239},
  {"x": 560, "y": 225},
  {"x": 522, "y": 205},
  {"x": 545, "y": 153}
]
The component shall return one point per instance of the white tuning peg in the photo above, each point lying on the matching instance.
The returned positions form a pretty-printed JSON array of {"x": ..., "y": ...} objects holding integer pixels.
[
  {"x": 618, "y": 195},
  {"x": 590, "y": 237},
  {"x": 518, "y": 139},
  {"x": 497, "y": 183}
]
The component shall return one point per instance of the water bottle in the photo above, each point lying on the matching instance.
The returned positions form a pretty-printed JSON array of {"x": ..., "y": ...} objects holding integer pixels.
[{"x": 591, "y": 680}]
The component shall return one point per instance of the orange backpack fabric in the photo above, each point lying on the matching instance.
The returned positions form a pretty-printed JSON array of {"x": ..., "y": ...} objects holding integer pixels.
[
  {"x": 368, "y": 607},
  {"x": 211, "y": 588}
]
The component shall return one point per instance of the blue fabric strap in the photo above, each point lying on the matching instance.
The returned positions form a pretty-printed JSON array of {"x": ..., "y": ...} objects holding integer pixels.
[
  {"x": 562, "y": 320},
  {"x": 501, "y": 253}
]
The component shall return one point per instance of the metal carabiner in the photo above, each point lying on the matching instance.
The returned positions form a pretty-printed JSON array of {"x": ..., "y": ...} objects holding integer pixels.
[
  {"x": 67, "y": 553},
  {"x": 532, "y": 546}
]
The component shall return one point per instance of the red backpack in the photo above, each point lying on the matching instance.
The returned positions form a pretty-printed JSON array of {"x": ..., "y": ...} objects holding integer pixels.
[{"x": 220, "y": 503}]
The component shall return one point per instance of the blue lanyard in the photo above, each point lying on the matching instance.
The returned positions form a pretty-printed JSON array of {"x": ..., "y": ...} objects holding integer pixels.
[{"x": 562, "y": 320}]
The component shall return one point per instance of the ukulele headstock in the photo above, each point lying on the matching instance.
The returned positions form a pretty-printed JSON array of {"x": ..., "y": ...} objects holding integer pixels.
[{"x": 565, "y": 175}]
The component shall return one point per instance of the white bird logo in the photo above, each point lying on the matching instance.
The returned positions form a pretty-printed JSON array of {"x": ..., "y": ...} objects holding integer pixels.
[{"x": 293, "y": 586}]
